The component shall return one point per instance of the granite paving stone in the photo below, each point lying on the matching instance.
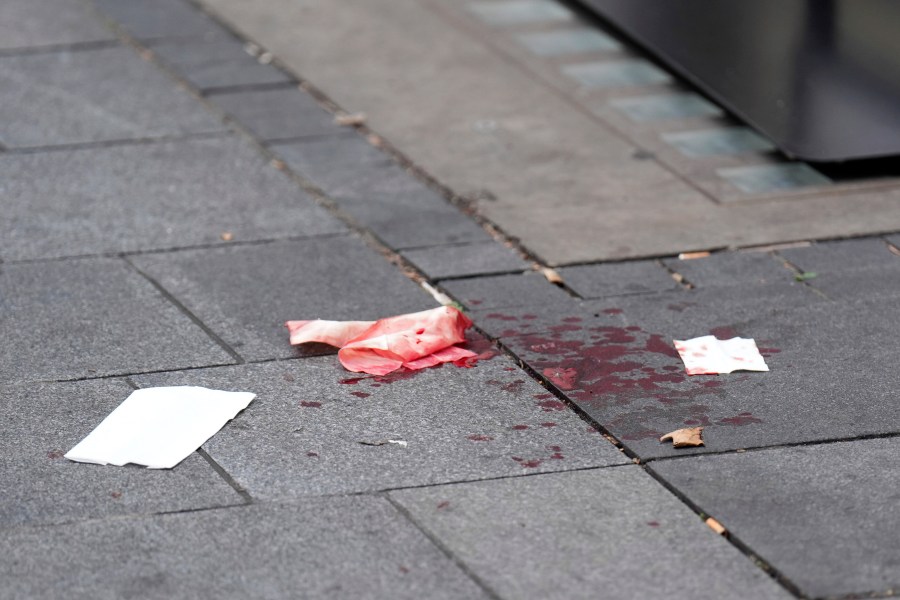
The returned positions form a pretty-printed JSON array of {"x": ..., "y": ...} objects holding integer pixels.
[
  {"x": 216, "y": 63},
  {"x": 93, "y": 95},
  {"x": 32, "y": 23},
  {"x": 613, "y": 531},
  {"x": 323, "y": 548},
  {"x": 825, "y": 516},
  {"x": 301, "y": 435},
  {"x": 528, "y": 289},
  {"x": 40, "y": 422},
  {"x": 440, "y": 262},
  {"x": 830, "y": 375},
  {"x": 766, "y": 179},
  {"x": 278, "y": 113},
  {"x": 859, "y": 285},
  {"x": 148, "y": 197},
  {"x": 842, "y": 255},
  {"x": 618, "y": 279},
  {"x": 148, "y": 19},
  {"x": 894, "y": 240},
  {"x": 509, "y": 13},
  {"x": 733, "y": 268},
  {"x": 246, "y": 293},
  {"x": 658, "y": 107},
  {"x": 92, "y": 317}
]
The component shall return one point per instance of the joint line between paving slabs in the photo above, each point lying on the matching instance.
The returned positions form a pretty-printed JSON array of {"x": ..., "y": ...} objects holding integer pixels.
[
  {"x": 220, "y": 470},
  {"x": 203, "y": 135},
  {"x": 248, "y": 87},
  {"x": 54, "y": 48},
  {"x": 746, "y": 550},
  {"x": 168, "y": 296},
  {"x": 462, "y": 566}
]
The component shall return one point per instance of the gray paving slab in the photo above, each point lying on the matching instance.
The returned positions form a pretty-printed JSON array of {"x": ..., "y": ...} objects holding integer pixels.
[
  {"x": 568, "y": 41},
  {"x": 246, "y": 293},
  {"x": 828, "y": 377},
  {"x": 147, "y": 19},
  {"x": 842, "y": 255},
  {"x": 509, "y": 13},
  {"x": 766, "y": 179},
  {"x": 614, "y": 532},
  {"x": 618, "y": 279},
  {"x": 528, "y": 289},
  {"x": 721, "y": 141},
  {"x": 733, "y": 268},
  {"x": 92, "y": 96},
  {"x": 325, "y": 548},
  {"x": 861, "y": 285},
  {"x": 92, "y": 317},
  {"x": 660, "y": 107},
  {"x": 148, "y": 197},
  {"x": 617, "y": 73},
  {"x": 40, "y": 422},
  {"x": 301, "y": 435},
  {"x": 825, "y": 516},
  {"x": 278, "y": 114},
  {"x": 216, "y": 63},
  {"x": 31, "y": 23},
  {"x": 483, "y": 258},
  {"x": 894, "y": 240}
]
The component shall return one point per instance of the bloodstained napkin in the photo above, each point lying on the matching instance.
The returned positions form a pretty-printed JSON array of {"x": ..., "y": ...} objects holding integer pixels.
[
  {"x": 707, "y": 355},
  {"x": 414, "y": 341}
]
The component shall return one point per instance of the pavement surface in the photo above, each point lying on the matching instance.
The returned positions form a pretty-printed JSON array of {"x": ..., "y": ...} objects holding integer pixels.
[{"x": 174, "y": 186}]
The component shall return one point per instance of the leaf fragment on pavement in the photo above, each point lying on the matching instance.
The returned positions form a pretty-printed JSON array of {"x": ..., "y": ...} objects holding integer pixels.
[
  {"x": 805, "y": 275},
  {"x": 685, "y": 438}
]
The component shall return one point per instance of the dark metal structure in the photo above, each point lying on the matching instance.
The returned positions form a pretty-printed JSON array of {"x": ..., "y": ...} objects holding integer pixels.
[{"x": 820, "y": 78}]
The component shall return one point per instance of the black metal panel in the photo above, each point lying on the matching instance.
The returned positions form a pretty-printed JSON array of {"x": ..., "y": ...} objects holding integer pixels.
[{"x": 820, "y": 78}]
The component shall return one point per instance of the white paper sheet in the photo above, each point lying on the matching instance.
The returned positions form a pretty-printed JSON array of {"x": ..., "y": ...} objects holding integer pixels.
[
  {"x": 159, "y": 427},
  {"x": 707, "y": 355}
]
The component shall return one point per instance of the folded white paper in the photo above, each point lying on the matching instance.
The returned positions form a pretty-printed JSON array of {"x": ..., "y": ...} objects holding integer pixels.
[
  {"x": 159, "y": 427},
  {"x": 708, "y": 355}
]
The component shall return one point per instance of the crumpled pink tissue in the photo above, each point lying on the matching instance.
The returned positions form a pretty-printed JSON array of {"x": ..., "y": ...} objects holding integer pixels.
[
  {"x": 707, "y": 355},
  {"x": 415, "y": 340}
]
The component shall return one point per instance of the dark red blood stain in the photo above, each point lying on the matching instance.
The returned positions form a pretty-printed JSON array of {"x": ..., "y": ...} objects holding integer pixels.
[
  {"x": 564, "y": 379},
  {"x": 360, "y": 394},
  {"x": 398, "y": 375},
  {"x": 287, "y": 377},
  {"x": 519, "y": 427},
  {"x": 310, "y": 404},
  {"x": 476, "y": 302},
  {"x": 767, "y": 351},
  {"x": 529, "y": 317},
  {"x": 712, "y": 384},
  {"x": 641, "y": 435},
  {"x": 542, "y": 396},
  {"x": 613, "y": 311},
  {"x": 724, "y": 333},
  {"x": 513, "y": 386},
  {"x": 494, "y": 382},
  {"x": 420, "y": 331},
  {"x": 592, "y": 430},
  {"x": 551, "y": 405},
  {"x": 502, "y": 317},
  {"x": 312, "y": 454},
  {"x": 403, "y": 569},
  {"x": 740, "y": 420},
  {"x": 116, "y": 495},
  {"x": 375, "y": 385},
  {"x": 671, "y": 368},
  {"x": 554, "y": 448},
  {"x": 633, "y": 328},
  {"x": 352, "y": 380},
  {"x": 54, "y": 454},
  {"x": 480, "y": 438},
  {"x": 528, "y": 464},
  {"x": 509, "y": 369},
  {"x": 652, "y": 523},
  {"x": 658, "y": 345},
  {"x": 443, "y": 504},
  {"x": 557, "y": 456},
  {"x": 548, "y": 424}
]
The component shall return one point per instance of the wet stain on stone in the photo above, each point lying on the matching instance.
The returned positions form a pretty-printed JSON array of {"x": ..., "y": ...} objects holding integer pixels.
[
  {"x": 312, "y": 454},
  {"x": 739, "y": 420},
  {"x": 551, "y": 405}
]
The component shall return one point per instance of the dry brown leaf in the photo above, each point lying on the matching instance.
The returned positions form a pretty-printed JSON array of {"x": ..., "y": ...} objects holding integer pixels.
[
  {"x": 350, "y": 119},
  {"x": 693, "y": 255},
  {"x": 227, "y": 236},
  {"x": 685, "y": 438},
  {"x": 552, "y": 276},
  {"x": 715, "y": 526}
]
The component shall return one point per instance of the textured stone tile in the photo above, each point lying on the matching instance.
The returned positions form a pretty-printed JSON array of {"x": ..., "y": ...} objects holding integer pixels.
[
  {"x": 519, "y": 12},
  {"x": 29, "y": 23},
  {"x": 618, "y": 279},
  {"x": 733, "y": 268},
  {"x": 216, "y": 63},
  {"x": 482, "y": 293},
  {"x": 825, "y": 381},
  {"x": 92, "y": 317},
  {"x": 301, "y": 435},
  {"x": 568, "y": 41},
  {"x": 92, "y": 96},
  {"x": 326, "y": 548},
  {"x": 146, "y": 19},
  {"x": 858, "y": 286},
  {"x": 470, "y": 259},
  {"x": 619, "y": 73},
  {"x": 39, "y": 422},
  {"x": 715, "y": 142},
  {"x": 764, "y": 179},
  {"x": 825, "y": 257},
  {"x": 569, "y": 535},
  {"x": 659, "y": 107},
  {"x": 246, "y": 293},
  {"x": 278, "y": 114},
  {"x": 824, "y": 515},
  {"x": 148, "y": 196}
]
